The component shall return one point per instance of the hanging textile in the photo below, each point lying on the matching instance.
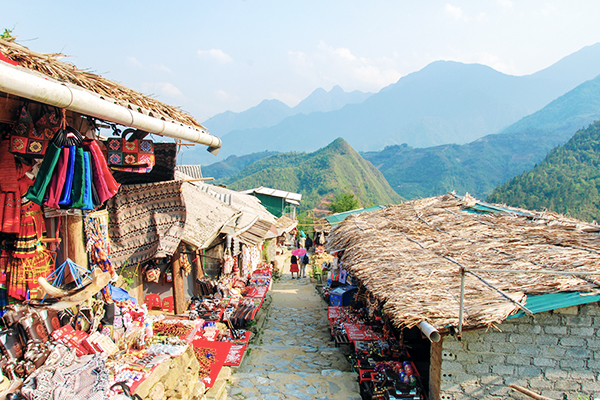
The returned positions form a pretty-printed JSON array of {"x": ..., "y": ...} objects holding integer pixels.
[
  {"x": 23, "y": 273},
  {"x": 31, "y": 230},
  {"x": 10, "y": 196},
  {"x": 98, "y": 241},
  {"x": 146, "y": 221}
]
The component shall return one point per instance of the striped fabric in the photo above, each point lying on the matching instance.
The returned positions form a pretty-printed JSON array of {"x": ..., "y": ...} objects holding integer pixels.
[{"x": 146, "y": 221}]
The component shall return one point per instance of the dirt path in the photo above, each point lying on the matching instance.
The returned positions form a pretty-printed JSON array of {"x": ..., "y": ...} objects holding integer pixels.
[{"x": 293, "y": 356}]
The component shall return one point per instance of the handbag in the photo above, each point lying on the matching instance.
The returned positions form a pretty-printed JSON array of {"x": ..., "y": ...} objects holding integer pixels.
[
  {"x": 25, "y": 139},
  {"x": 130, "y": 152}
]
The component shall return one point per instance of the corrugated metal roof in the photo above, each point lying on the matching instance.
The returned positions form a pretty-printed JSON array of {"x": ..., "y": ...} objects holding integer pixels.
[
  {"x": 194, "y": 171},
  {"x": 275, "y": 193},
  {"x": 339, "y": 217},
  {"x": 553, "y": 301}
]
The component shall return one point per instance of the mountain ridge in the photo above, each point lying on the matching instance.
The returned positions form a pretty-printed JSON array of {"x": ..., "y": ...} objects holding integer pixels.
[{"x": 319, "y": 175}]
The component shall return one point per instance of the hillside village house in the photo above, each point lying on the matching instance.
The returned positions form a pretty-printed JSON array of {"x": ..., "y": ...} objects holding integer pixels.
[
  {"x": 278, "y": 202},
  {"x": 486, "y": 296}
]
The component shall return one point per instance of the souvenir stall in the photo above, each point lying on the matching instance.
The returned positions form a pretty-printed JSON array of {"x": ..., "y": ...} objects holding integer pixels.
[
  {"x": 68, "y": 328},
  {"x": 378, "y": 353}
]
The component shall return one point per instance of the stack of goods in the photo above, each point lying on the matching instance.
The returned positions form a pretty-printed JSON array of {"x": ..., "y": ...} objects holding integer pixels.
[{"x": 384, "y": 368}]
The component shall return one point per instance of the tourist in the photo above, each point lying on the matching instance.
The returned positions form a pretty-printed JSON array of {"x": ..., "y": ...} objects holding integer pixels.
[
  {"x": 294, "y": 267},
  {"x": 308, "y": 243},
  {"x": 304, "y": 260}
]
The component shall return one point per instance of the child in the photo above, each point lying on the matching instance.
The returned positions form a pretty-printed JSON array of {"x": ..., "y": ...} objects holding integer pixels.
[{"x": 294, "y": 267}]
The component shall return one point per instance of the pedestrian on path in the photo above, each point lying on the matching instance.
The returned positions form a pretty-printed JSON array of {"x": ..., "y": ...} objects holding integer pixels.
[
  {"x": 308, "y": 243},
  {"x": 303, "y": 263},
  {"x": 294, "y": 267}
]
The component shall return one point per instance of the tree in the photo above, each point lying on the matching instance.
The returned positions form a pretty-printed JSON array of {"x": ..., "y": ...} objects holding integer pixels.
[{"x": 344, "y": 202}]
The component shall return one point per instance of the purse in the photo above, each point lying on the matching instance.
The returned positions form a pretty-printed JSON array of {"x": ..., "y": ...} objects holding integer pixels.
[
  {"x": 130, "y": 152},
  {"x": 25, "y": 139}
]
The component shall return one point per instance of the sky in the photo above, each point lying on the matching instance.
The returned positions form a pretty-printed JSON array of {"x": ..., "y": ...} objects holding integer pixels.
[{"x": 210, "y": 56}]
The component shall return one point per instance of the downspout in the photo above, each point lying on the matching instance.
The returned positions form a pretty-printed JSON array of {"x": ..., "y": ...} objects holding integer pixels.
[{"x": 20, "y": 82}]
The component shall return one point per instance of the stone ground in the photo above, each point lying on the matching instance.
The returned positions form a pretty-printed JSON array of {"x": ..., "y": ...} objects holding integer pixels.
[{"x": 293, "y": 356}]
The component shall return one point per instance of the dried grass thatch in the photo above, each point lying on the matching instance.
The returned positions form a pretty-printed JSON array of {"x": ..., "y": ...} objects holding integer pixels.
[
  {"x": 49, "y": 65},
  {"x": 404, "y": 255}
]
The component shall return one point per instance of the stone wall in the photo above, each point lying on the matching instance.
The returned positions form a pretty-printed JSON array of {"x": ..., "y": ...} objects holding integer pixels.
[{"x": 555, "y": 354}]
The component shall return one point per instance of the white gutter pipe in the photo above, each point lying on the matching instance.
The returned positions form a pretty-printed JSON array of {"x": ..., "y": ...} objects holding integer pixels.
[
  {"x": 429, "y": 331},
  {"x": 21, "y": 82}
]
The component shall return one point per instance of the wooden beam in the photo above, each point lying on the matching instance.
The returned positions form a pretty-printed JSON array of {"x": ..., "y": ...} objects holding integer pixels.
[
  {"x": 198, "y": 271},
  {"x": 178, "y": 288}
]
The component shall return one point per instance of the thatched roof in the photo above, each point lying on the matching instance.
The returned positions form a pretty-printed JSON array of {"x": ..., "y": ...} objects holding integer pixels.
[
  {"x": 408, "y": 256},
  {"x": 50, "y": 66}
]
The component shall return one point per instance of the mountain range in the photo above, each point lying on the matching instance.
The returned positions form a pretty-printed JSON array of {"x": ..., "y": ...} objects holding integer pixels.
[
  {"x": 481, "y": 165},
  {"x": 318, "y": 176},
  {"x": 445, "y": 102},
  {"x": 566, "y": 181}
]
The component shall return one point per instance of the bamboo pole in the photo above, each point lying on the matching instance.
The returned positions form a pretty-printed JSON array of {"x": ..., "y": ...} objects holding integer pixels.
[{"x": 528, "y": 392}]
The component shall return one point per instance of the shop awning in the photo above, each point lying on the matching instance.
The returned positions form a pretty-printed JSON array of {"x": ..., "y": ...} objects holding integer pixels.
[{"x": 44, "y": 79}]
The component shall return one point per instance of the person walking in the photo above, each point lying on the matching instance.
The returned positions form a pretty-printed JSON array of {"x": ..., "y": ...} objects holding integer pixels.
[
  {"x": 294, "y": 267},
  {"x": 303, "y": 263},
  {"x": 301, "y": 240},
  {"x": 308, "y": 243}
]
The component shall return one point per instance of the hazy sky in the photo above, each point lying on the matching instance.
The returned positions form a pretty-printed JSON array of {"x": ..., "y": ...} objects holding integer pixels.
[{"x": 218, "y": 55}]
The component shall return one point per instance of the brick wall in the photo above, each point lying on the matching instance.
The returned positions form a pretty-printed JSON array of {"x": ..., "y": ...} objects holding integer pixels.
[{"x": 555, "y": 354}]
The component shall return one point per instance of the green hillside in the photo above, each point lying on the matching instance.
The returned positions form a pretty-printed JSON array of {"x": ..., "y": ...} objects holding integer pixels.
[
  {"x": 233, "y": 164},
  {"x": 566, "y": 181},
  {"x": 319, "y": 176},
  {"x": 478, "y": 167}
]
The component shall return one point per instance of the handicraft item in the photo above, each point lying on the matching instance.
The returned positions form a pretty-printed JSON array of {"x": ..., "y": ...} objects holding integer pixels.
[{"x": 131, "y": 152}]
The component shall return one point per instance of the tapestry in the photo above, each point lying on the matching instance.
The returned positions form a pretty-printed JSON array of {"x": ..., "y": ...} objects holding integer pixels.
[
  {"x": 146, "y": 221},
  {"x": 165, "y": 158}
]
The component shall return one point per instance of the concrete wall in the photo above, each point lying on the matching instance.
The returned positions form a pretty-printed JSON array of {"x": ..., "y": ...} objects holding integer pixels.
[{"x": 555, "y": 354}]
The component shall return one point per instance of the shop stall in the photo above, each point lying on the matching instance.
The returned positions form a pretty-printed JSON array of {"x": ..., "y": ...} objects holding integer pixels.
[{"x": 75, "y": 234}]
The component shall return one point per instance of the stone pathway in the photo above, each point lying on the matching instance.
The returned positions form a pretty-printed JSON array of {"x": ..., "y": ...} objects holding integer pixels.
[{"x": 293, "y": 356}]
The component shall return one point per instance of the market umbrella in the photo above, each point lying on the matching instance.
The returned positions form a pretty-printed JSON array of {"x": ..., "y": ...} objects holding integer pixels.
[{"x": 299, "y": 252}]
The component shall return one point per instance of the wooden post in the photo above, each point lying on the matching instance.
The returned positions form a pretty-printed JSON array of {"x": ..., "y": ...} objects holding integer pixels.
[
  {"x": 178, "y": 290},
  {"x": 137, "y": 288},
  {"x": 198, "y": 271},
  {"x": 76, "y": 241}
]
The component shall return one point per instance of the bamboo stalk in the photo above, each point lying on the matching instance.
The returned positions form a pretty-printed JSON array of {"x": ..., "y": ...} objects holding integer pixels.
[{"x": 528, "y": 392}]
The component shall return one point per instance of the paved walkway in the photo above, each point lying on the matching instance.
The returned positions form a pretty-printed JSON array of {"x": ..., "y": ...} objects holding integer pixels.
[{"x": 294, "y": 357}]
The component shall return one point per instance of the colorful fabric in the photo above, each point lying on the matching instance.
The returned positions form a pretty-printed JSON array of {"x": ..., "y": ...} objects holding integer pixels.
[
  {"x": 146, "y": 221},
  {"x": 23, "y": 274},
  {"x": 32, "y": 230},
  {"x": 10, "y": 195}
]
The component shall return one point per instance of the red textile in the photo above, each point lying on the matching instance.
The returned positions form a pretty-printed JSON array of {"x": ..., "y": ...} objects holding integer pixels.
[
  {"x": 294, "y": 268},
  {"x": 58, "y": 180},
  {"x": 10, "y": 196}
]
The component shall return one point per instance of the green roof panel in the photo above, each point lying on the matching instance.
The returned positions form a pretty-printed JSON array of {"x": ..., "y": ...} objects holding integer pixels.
[
  {"x": 339, "y": 217},
  {"x": 553, "y": 301}
]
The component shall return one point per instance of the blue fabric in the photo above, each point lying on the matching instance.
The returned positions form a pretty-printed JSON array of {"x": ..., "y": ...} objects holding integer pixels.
[
  {"x": 66, "y": 199},
  {"x": 119, "y": 294},
  {"x": 87, "y": 182}
]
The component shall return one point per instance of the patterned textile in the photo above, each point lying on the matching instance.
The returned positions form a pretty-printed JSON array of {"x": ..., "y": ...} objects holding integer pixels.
[
  {"x": 146, "y": 221},
  {"x": 23, "y": 273},
  {"x": 32, "y": 229},
  {"x": 165, "y": 155},
  {"x": 10, "y": 196},
  {"x": 68, "y": 377}
]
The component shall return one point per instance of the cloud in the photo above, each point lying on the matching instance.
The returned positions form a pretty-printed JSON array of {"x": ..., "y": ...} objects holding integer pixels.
[
  {"x": 328, "y": 66},
  {"x": 134, "y": 61},
  {"x": 161, "y": 67},
  {"x": 163, "y": 88},
  {"x": 505, "y": 4},
  {"x": 216, "y": 55},
  {"x": 456, "y": 13}
]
